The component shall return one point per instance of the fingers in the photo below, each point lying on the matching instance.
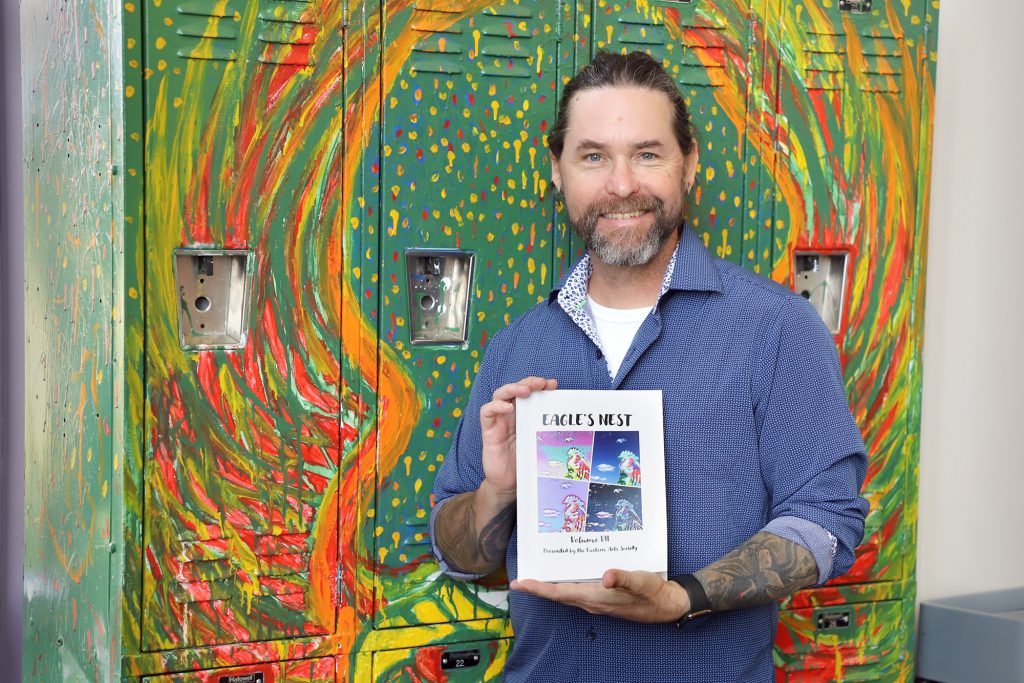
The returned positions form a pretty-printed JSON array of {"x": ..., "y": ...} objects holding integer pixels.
[
  {"x": 503, "y": 401},
  {"x": 566, "y": 592},
  {"x": 591, "y": 597},
  {"x": 635, "y": 595},
  {"x": 576, "y": 594},
  {"x": 523, "y": 388},
  {"x": 495, "y": 408},
  {"x": 541, "y": 589}
]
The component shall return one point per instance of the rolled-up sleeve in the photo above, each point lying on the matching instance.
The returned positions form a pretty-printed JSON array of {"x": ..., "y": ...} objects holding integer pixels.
[{"x": 812, "y": 456}]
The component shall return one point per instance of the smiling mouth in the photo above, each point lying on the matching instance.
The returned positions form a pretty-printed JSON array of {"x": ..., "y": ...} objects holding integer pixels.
[{"x": 623, "y": 216}]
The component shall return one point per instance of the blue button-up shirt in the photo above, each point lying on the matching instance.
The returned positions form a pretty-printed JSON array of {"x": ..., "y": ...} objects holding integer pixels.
[{"x": 758, "y": 436}]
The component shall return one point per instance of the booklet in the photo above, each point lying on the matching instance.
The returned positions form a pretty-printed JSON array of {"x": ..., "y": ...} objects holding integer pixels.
[{"x": 590, "y": 478}]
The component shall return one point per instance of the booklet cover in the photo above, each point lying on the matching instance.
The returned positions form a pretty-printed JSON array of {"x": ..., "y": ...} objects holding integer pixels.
[{"x": 590, "y": 484}]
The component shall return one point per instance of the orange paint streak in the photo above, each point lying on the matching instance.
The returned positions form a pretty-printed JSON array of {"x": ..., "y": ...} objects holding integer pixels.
[
  {"x": 323, "y": 558},
  {"x": 348, "y": 626},
  {"x": 74, "y": 573}
]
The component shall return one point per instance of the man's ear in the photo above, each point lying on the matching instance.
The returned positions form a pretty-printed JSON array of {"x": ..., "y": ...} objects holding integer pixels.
[
  {"x": 690, "y": 165},
  {"x": 556, "y": 172}
]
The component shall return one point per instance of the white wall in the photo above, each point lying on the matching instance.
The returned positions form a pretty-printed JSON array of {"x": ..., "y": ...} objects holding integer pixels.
[{"x": 971, "y": 526}]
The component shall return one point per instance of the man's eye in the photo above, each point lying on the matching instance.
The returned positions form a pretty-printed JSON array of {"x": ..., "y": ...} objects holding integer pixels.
[
  {"x": 593, "y": 156},
  {"x": 648, "y": 156}
]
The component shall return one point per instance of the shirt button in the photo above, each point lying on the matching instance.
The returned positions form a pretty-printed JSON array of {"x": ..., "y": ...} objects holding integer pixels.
[
  {"x": 591, "y": 634},
  {"x": 598, "y": 354}
]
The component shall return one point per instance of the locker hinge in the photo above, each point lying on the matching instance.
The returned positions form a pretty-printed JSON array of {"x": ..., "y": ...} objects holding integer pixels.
[
  {"x": 339, "y": 580},
  {"x": 559, "y": 11},
  {"x": 344, "y": 15}
]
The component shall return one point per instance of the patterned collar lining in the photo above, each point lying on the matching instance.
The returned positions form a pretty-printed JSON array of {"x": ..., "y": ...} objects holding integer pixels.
[{"x": 572, "y": 297}]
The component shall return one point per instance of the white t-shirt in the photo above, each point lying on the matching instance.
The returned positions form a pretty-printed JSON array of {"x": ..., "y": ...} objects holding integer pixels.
[{"x": 616, "y": 327}]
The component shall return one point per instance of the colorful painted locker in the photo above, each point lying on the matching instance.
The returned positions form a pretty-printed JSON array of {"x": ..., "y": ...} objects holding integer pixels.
[
  {"x": 268, "y": 241},
  {"x": 858, "y": 83}
]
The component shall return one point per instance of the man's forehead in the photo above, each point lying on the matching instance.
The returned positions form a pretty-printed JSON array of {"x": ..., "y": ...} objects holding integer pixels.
[
  {"x": 599, "y": 115},
  {"x": 592, "y": 97}
]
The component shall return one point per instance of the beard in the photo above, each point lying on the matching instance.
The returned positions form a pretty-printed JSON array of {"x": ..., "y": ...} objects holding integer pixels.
[{"x": 631, "y": 246}]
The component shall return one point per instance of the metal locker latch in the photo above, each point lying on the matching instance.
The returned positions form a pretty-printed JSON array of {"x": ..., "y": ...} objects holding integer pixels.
[
  {"x": 821, "y": 278},
  {"x": 213, "y": 291},
  {"x": 439, "y": 284}
]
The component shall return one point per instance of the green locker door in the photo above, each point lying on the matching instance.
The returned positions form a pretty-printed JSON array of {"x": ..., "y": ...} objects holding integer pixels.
[
  {"x": 862, "y": 645},
  {"x": 882, "y": 353},
  {"x": 813, "y": 147},
  {"x": 470, "y": 88},
  {"x": 243, "y": 146},
  {"x": 706, "y": 46},
  {"x": 849, "y": 88},
  {"x": 847, "y": 179}
]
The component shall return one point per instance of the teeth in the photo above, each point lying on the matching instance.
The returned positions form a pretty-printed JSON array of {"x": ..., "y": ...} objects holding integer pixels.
[{"x": 623, "y": 216}]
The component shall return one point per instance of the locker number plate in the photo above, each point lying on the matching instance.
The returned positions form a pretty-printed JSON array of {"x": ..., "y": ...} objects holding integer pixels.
[
  {"x": 460, "y": 660},
  {"x": 256, "y": 677},
  {"x": 833, "y": 621},
  {"x": 855, "y": 6}
]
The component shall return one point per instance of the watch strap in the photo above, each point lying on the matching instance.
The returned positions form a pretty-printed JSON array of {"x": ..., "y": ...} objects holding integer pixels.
[{"x": 700, "y": 606}]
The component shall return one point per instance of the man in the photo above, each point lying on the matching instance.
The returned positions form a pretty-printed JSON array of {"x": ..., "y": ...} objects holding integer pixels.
[{"x": 764, "y": 462}]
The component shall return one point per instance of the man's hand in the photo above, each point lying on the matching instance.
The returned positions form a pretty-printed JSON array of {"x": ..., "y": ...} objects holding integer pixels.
[
  {"x": 498, "y": 427},
  {"x": 763, "y": 569},
  {"x": 472, "y": 530},
  {"x": 636, "y": 596}
]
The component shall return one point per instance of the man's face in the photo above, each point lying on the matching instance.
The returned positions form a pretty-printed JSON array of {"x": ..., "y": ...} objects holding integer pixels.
[{"x": 622, "y": 173}]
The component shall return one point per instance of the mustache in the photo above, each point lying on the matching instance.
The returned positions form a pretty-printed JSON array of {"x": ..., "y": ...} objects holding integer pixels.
[{"x": 628, "y": 205}]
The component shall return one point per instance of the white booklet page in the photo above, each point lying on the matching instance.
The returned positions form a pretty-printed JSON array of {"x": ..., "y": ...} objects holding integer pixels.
[{"x": 590, "y": 484}]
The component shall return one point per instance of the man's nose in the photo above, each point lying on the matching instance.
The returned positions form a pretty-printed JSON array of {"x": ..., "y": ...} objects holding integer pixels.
[{"x": 622, "y": 181}]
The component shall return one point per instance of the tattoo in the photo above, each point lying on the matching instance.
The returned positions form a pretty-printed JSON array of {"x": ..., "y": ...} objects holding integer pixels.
[
  {"x": 764, "y": 569},
  {"x": 464, "y": 549}
]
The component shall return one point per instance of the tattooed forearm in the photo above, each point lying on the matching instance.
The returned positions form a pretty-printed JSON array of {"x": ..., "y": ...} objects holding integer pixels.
[
  {"x": 463, "y": 546},
  {"x": 764, "y": 569}
]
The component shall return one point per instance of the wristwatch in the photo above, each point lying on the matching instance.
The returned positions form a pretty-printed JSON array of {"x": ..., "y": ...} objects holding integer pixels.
[{"x": 700, "y": 606}]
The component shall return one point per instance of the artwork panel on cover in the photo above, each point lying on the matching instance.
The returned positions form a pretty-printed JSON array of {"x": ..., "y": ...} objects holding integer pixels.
[{"x": 590, "y": 471}]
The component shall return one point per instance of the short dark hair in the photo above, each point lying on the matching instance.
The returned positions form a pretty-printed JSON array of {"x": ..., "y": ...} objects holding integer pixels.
[{"x": 635, "y": 69}]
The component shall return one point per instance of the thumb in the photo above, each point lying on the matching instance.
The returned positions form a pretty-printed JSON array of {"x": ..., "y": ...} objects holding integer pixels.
[{"x": 615, "y": 578}]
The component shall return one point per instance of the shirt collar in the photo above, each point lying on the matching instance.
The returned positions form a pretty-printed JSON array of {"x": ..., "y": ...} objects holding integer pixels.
[{"x": 696, "y": 269}]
